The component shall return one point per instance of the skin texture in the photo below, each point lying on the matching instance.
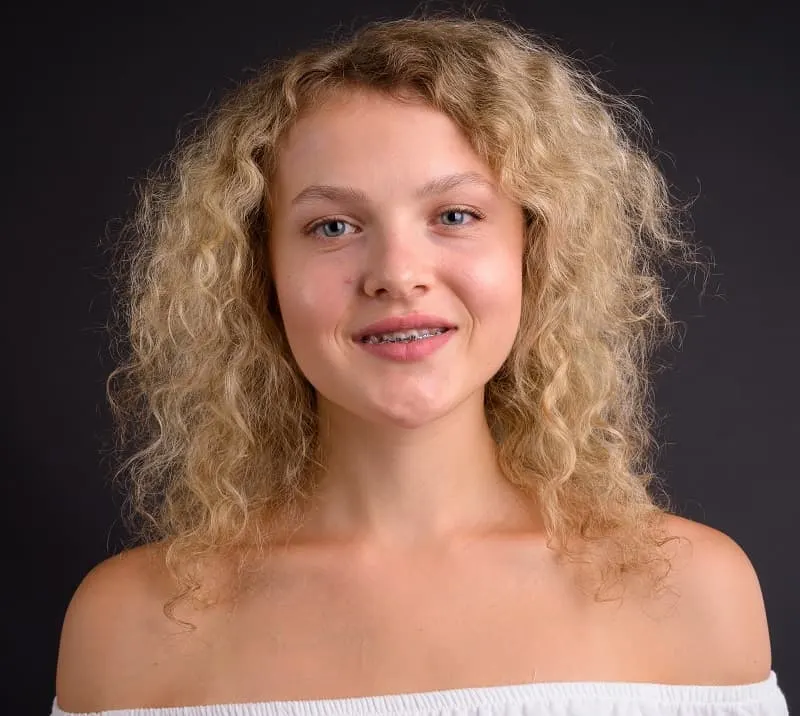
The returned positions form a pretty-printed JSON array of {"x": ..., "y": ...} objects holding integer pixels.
[
  {"x": 419, "y": 567},
  {"x": 323, "y": 624},
  {"x": 393, "y": 252}
]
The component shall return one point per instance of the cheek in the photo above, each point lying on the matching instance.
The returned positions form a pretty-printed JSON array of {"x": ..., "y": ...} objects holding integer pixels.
[
  {"x": 312, "y": 302},
  {"x": 494, "y": 287}
]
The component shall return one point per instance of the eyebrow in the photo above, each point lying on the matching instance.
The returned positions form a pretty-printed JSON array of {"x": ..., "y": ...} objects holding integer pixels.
[{"x": 435, "y": 186}]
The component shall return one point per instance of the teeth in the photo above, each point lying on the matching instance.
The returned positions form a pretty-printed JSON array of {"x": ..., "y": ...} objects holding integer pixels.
[{"x": 403, "y": 336}]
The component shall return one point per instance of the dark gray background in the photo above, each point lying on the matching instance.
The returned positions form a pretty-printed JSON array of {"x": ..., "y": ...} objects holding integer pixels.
[{"x": 93, "y": 97}]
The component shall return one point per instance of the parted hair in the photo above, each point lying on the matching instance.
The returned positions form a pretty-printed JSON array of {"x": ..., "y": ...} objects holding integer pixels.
[{"x": 216, "y": 427}]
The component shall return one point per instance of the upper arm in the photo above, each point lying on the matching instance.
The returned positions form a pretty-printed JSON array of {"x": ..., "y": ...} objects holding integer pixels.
[
  {"x": 727, "y": 619},
  {"x": 103, "y": 634}
]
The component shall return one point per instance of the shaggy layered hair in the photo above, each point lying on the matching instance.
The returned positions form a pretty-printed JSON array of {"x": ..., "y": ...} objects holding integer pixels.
[{"x": 222, "y": 423}]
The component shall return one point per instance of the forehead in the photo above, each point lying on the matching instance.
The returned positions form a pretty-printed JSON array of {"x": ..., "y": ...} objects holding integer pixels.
[{"x": 361, "y": 136}]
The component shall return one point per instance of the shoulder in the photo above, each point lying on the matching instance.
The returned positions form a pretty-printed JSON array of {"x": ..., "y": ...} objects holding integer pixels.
[
  {"x": 721, "y": 607},
  {"x": 109, "y": 626}
]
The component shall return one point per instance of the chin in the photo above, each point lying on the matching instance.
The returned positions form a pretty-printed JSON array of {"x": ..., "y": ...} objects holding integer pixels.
[{"x": 408, "y": 416}]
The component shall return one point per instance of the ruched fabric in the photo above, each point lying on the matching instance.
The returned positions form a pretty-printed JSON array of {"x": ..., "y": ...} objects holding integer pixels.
[{"x": 568, "y": 698}]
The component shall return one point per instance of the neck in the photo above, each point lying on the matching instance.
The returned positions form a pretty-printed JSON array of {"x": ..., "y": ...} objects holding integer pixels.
[{"x": 388, "y": 486}]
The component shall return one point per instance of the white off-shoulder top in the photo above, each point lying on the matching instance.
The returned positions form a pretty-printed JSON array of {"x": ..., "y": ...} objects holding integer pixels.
[{"x": 566, "y": 698}]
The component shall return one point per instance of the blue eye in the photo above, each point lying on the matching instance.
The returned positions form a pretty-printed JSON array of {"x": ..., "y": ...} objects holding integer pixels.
[
  {"x": 458, "y": 212},
  {"x": 328, "y": 223}
]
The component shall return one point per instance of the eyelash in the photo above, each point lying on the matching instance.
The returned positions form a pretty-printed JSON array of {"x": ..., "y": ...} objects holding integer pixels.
[{"x": 478, "y": 215}]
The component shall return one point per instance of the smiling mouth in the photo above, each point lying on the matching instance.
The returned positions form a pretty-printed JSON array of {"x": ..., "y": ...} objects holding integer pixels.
[{"x": 406, "y": 336}]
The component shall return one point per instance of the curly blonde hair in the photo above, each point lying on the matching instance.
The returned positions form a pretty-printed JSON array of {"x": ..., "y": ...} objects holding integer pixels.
[{"x": 222, "y": 422}]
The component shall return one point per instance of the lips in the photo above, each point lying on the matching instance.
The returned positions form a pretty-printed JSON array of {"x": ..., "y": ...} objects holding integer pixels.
[{"x": 403, "y": 323}]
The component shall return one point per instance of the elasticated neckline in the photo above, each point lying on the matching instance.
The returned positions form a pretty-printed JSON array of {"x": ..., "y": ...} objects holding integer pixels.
[{"x": 542, "y": 696}]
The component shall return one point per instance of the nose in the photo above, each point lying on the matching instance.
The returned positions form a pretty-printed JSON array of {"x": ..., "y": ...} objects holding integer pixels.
[{"x": 398, "y": 265}]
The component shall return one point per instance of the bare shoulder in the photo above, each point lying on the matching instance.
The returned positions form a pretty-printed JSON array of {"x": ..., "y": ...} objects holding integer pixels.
[
  {"x": 110, "y": 627},
  {"x": 721, "y": 606}
]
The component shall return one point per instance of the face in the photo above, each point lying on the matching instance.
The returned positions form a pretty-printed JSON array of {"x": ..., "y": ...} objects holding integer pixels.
[{"x": 384, "y": 239}]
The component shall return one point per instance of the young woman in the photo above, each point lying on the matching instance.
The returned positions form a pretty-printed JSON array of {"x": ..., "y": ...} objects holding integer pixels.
[{"x": 389, "y": 316}]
